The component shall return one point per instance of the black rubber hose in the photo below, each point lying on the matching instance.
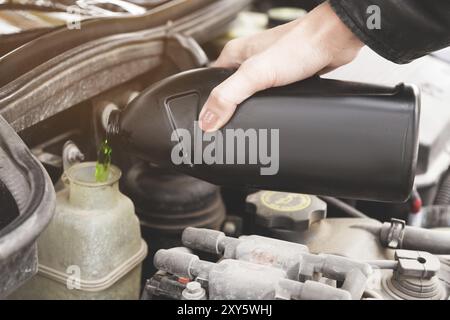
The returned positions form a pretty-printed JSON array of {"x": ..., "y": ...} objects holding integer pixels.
[
  {"x": 412, "y": 238},
  {"x": 341, "y": 205},
  {"x": 432, "y": 241},
  {"x": 32, "y": 190},
  {"x": 443, "y": 194},
  {"x": 30, "y": 186},
  {"x": 436, "y": 216}
]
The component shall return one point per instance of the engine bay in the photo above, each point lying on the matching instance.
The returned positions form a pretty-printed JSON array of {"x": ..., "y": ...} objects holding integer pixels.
[{"x": 151, "y": 233}]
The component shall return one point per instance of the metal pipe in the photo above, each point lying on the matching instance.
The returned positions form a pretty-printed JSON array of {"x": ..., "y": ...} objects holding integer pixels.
[{"x": 383, "y": 264}]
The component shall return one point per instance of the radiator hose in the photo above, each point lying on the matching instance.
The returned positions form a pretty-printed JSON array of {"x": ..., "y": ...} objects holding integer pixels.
[
  {"x": 443, "y": 194},
  {"x": 396, "y": 234}
]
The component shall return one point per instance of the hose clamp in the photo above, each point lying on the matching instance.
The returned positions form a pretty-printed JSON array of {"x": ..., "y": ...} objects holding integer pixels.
[{"x": 396, "y": 233}]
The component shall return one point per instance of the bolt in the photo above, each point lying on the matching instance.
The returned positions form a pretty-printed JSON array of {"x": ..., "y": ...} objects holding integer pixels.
[
  {"x": 194, "y": 291},
  {"x": 229, "y": 228},
  {"x": 193, "y": 287}
]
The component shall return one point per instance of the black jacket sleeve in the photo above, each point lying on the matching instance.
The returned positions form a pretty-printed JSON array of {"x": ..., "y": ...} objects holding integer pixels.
[{"x": 408, "y": 29}]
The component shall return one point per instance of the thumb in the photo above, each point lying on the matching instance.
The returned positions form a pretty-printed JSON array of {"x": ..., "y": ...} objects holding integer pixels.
[{"x": 253, "y": 75}]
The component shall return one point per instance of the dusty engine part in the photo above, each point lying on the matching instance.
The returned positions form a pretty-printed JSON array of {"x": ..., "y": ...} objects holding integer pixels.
[
  {"x": 414, "y": 277},
  {"x": 93, "y": 244},
  {"x": 292, "y": 258},
  {"x": 163, "y": 286},
  {"x": 256, "y": 249},
  {"x": 194, "y": 291},
  {"x": 341, "y": 236},
  {"x": 248, "y": 270},
  {"x": 166, "y": 203},
  {"x": 241, "y": 280}
]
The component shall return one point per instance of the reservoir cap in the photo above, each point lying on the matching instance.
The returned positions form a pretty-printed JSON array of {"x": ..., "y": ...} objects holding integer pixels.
[{"x": 287, "y": 211}]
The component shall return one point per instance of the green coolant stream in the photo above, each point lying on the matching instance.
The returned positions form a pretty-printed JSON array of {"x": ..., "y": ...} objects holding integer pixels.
[{"x": 103, "y": 162}]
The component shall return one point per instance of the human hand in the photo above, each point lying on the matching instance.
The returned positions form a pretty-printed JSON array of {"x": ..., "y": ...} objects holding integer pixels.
[{"x": 316, "y": 43}]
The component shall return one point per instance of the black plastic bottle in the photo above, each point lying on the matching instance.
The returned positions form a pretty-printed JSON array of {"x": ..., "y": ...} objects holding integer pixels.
[{"x": 335, "y": 138}]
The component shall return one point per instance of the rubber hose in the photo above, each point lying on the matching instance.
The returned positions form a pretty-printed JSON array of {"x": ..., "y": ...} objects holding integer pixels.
[
  {"x": 443, "y": 194},
  {"x": 432, "y": 241},
  {"x": 436, "y": 216},
  {"x": 348, "y": 209}
]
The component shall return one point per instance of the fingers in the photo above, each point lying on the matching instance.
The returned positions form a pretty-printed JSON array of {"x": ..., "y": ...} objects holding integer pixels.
[
  {"x": 278, "y": 57},
  {"x": 253, "y": 75},
  {"x": 281, "y": 64},
  {"x": 232, "y": 55}
]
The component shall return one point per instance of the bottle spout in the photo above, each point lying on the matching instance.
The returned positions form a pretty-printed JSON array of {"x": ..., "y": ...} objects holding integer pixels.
[{"x": 113, "y": 123}]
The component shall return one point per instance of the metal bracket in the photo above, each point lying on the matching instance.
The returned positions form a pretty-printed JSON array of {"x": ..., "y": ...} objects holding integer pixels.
[{"x": 416, "y": 264}]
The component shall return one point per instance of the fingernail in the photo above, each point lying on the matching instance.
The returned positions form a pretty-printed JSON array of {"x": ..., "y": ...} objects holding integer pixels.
[{"x": 208, "y": 121}]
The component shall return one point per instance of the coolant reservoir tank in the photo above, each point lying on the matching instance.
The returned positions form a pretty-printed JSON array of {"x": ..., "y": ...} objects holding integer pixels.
[{"x": 92, "y": 249}]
